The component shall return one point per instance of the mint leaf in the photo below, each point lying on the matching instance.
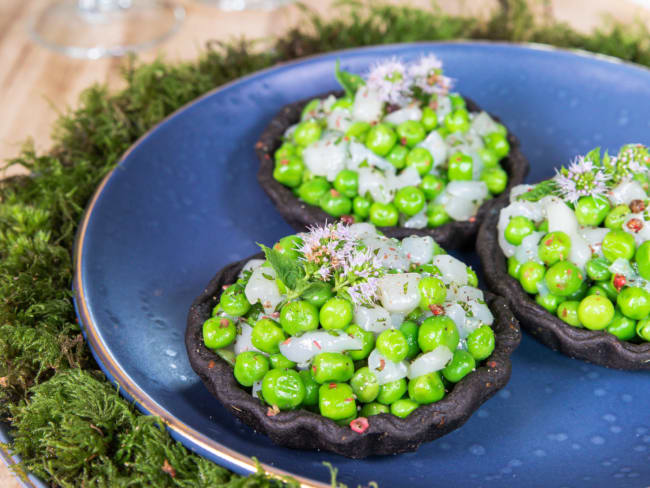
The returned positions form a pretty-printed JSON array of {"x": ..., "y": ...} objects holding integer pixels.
[
  {"x": 349, "y": 81},
  {"x": 288, "y": 270},
  {"x": 539, "y": 191},
  {"x": 594, "y": 156}
]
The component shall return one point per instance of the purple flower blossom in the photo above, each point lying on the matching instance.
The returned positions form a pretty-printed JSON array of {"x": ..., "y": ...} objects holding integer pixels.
[
  {"x": 581, "y": 178},
  {"x": 427, "y": 75},
  {"x": 365, "y": 292},
  {"x": 390, "y": 80}
]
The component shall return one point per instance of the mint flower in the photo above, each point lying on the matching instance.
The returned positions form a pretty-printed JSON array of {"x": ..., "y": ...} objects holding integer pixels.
[
  {"x": 582, "y": 178},
  {"x": 427, "y": 75},
  {"x": 632, "y": 159},
  {"x": 365, "y": 292},
  {"x": 390, "y": 80}
]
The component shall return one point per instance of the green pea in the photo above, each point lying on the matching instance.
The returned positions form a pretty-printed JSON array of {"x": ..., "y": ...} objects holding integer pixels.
[
  {"x": 391, "y": 392},
  {"x": 250, "y": 366},
  {"x": 312, "y": 190},
  {"x": 598, "y": 269},
  {"x": 612, "y": 293},
  {"x": 335, "y": 204},
  {"x": 437, "y": 331},
  {"x": 278, "y": 361},
  {"x": 568, "y": 312},
  {"x": 432, "y": 292},
  {"x": 642, "y": 258},
  {"x": 289, "y": 171},
  {"x": 358, "y": 130},
  {"x": 384, "y": 214},
  {"x": 289, "y": 245},
  {"x": 364, "y": 385},
  {"x": 616, "y": 217},
  {"x": 310, "y": 109},
  {"x": 554, "y": 247},
  {"x": 410, "y": 331},
  {"x": 393, "y": 345},
  {"x": 299, "y": 316},
  {"x": 420, "y": 159},
  {"x": 480, "y": 343},
  {"x": 432, "y": 186},
  {"x": 618, "y": 244},
  {"x": 311, "y": 388},
  {"x": 307, "y": 132},
  {"x": 543, "y": 226},
  {"x": 460, "y": 168},
  {"x": 347, "y": 182},
  {"x": 496, "y": 180},
  {"x": 397, "y": 156},
  {"x": 267, "y": 336},
  {"x": 592, "y": 210},
  {"x": 472, "y": 279},
  {"x": 381, "y": 139},
  {"x": 643, "y": 329},
  {"x": 332, "y": 366},
  {"x": 285, "y": 151},
  {"x": 344, "y": 102},
  {"x": 283, "y": 388},
  {"x": 336, "y": 313},
  {"x": 457, "y": 120},
  {"x": 580, "y": 293},
  {"x": 318, "y": 293},
  {"x": 488, "y": 156},
  {"x": 497, "y": 142},
  {"x": 622, "y": 327},
  {"x": 549, "y": 301},
  {"x": 634, "y": 302},
  {"x": 409, "y": 200},
  {"x": 410, "y": 132},
  {"x": 514, "y": 267},
  {"x": 530, "y": 274},
  {"x": 336, "y": 401},
  {"x": 595, "y": 312},
  {"x": 457, "y": 101},
  {"x": 403, "y": 408},
  {"x": 368, "y": 341},
  {"x": 563, "y": 278},
  {"x": 597, "y": 290},
  {"x": 437, "y": 215},
  {"x": 361, "y": 206},
  {"x": 370, "y": 409},
  {"x": 218, "y": 332},
  {"x": 518, "y": 228},
  {"x": 460, "y": 366},
  {"x": 233, "y": 301},
  {"x": 429, "y": 118}
]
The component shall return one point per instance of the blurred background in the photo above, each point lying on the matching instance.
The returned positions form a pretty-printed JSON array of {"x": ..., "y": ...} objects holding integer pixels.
[{"x": 52, "y": 49}]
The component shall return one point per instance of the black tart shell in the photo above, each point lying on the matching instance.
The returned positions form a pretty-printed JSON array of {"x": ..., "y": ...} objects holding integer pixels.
[
  {"x": 387, "y": 434},
  {"x": 597, "y": 347},
  {"x": 300, "y": 215}
]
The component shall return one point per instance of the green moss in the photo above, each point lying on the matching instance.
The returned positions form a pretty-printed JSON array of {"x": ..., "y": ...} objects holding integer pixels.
[{"x": 70, "y": 425}]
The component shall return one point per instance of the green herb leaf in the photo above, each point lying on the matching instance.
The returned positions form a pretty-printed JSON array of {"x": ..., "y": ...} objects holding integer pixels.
[
  {"x": 349, "y": 81},
  {"x": 594, "y": 156},
  {"x": 539, "y": 191},
  {"x": 288, "y": 270}
]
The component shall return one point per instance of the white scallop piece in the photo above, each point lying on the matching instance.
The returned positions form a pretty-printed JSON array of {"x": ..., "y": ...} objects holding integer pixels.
[
  {"x": 367, "y": 106},
  {"x": 527, "y": 250},
  {"x": 457, "y": 313},
  {"x": 481, "y": 312},
  {"x": 361, "y": 230},
  {"x": 627, "y": 191},
  {"x": 251, "y": 265},
  {"x": 372, "y": 319},
  {"x": 452, "y": 270},
  {"x": 594, "y": 236},
  {"x": 301, "y": 349},
  {"x": 418, "y": 250},
  {"x": 325, "y": 157},
  {"x": 437, "y": 147},
  {"x": 243, "y": 342},
  {"x": 399, "y": 292},
  {"x": 359, "y": 153},
  {"x": 461, "y": 209},
  {"x": 408, "y": 177},
  {"x": 411, "y": 112},
  {"x": 261, "y": 287},
  {"x": 386, "y": 370},
  {"x": 580, "y": 251},
  {"x": 376, "y": 184},
  {"x": 560, "y": 216},
  {"x": 418, "y": 221},
  {"x": 430, "y": 362},
  {"x": 339, "y": 119},
  {"x": 483, "y": 124}
]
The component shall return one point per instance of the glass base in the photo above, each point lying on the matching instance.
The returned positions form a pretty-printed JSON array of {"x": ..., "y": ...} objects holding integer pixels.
[
  {"x": 234, "y": 5},
  {"x": 91, "y": 30}
]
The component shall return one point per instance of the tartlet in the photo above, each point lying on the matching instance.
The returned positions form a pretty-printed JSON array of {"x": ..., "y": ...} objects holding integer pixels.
[
  {"x": 597, "y": 206},
  {"x": 360, "y": 437},
  {"x": 452, "y": 234}
]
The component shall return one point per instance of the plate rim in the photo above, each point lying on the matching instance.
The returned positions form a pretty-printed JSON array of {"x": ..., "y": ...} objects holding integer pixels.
[{"x": 191, "y": 438}]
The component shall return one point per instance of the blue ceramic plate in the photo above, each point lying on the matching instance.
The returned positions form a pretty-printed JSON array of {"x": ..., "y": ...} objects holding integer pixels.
[{"x": 185, "y": 201}]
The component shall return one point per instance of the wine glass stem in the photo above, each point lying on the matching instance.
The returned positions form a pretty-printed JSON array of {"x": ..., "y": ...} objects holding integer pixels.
[{"x": 102, "y": 6}]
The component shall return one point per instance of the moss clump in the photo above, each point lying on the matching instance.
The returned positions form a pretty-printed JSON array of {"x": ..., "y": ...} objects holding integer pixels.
[{"x": 70, "y": 425}]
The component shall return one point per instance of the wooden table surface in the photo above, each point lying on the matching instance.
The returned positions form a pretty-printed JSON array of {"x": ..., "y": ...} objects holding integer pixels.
[{"x": 36, "y": 84}]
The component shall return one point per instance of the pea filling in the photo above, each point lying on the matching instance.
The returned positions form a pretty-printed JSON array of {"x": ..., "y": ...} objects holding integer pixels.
[
  {"x": 397, "y": 149},
  {"x": 580, "y": 242},
  {"x": 348, "y": 323}
]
